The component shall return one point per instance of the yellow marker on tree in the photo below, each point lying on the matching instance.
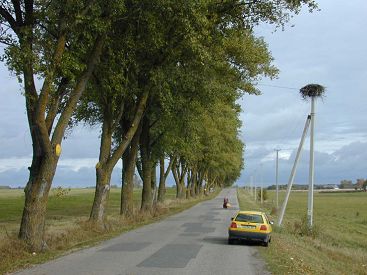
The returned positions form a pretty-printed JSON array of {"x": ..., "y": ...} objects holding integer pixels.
[{"x": 58, "y": 150}]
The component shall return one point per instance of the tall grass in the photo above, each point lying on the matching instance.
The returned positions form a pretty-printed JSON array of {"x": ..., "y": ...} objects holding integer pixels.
[{"x": 337, "y": 244}]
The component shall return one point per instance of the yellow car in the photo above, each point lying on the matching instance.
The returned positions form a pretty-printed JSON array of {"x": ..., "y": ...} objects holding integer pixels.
[{"x": 250, "y": 225}]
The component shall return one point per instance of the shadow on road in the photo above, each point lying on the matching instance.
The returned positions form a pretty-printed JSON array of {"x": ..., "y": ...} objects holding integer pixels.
[
  {"x": 247, "y": 243},
  {"x": 224, "y": 241},
  {"x": 216, "y": 240}
]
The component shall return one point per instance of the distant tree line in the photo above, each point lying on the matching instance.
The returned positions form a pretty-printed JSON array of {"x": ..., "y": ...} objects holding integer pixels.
[
  {"x": 360, "y": 184},
  {"x": 160, "y": 78}
]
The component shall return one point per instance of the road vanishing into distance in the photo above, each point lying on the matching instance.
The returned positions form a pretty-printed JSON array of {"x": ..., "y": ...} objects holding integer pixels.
[{"x": 191, "y": 242}]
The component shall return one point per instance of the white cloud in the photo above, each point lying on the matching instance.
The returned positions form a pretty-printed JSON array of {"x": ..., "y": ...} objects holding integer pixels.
[
  {"x": 75, "y": 164},
  {"x": 15, "y": 164}
]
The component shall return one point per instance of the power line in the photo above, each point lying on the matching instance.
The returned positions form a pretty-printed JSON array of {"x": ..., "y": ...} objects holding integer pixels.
[{"x": 279, "y": 87}]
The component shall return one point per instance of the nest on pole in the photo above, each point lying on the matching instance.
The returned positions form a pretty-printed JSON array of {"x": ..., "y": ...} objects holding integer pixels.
[{"x": 312, "y": 90}]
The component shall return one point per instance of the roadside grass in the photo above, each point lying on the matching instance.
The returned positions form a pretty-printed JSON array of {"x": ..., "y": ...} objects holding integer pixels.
[
  {"x": 67, "y": 227},
  {"x": 336, "y": 245}
]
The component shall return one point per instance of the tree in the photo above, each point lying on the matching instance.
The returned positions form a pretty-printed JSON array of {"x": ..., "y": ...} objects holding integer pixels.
[
  {"x": 265, "y": 195},
  {"x": 44, "y": 40},
  {"x": 344, "y": 184},
  {"x": 359, "y": 184},
  {"x": 60, "y": 43},
  {"x": 364, "y": 186}
]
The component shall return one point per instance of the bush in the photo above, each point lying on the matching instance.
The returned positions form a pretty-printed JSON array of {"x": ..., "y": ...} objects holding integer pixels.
[
  {"x": 60, "y": 192},
  {"x": 300, "y": 227},
  {"x": 265, "y": 195}
]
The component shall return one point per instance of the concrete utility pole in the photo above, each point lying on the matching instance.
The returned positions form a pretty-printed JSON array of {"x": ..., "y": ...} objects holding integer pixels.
[
  {"x": 255, "y": 196},
  {"x": 261, "y": 184},
  {"x": 311, "y": 171},
  {"x": 276, "y": 178},
  {"x": 312, "y": 91},
  {"x": 255, "y": 190},
  {"x": 293, "y": 173},
  {"x": 252, "y": 184}
]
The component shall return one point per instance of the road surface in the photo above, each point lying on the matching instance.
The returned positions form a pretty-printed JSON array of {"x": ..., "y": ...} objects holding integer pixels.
[{"x": 191, "y": 242}]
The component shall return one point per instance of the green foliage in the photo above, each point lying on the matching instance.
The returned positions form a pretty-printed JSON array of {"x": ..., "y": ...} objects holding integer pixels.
[
  {"x": 344, "y": 184},
  {"x": 60, "y": 192},
  {"x": 265, "y": 195},
  {"x": 301, "y": 227}
]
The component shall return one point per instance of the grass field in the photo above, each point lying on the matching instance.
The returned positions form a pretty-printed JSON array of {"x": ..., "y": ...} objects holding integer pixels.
[
  {"x": 66, "y": 224},
  {"x": 337, "y": 245},
  {"x": 76, "y": 204}
]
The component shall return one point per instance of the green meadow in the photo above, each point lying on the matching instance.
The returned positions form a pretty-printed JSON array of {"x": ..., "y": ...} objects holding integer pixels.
[
  {"x": 65, "y": 208},
  {"x": 336, "y": 245}
]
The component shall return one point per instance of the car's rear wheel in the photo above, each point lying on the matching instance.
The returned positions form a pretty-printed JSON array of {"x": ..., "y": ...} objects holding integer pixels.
[
  {"x": 230, "y": 241},
  {"x": 266, "y": 241}
]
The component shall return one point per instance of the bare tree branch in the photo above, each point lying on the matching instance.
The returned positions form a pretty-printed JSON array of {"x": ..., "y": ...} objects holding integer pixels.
[
  {"x": 7, "y": 16},
  {"x": 18, "y": 12}
]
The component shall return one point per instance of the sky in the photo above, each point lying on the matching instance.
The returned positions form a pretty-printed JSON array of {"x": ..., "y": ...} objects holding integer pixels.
[{"x": 325, "y": 47}]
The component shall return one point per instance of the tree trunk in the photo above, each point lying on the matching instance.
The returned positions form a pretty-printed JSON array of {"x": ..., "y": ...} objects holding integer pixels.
[
  {"x": 162, "y": 183},
  {"x": 163, "y": 177},
  {"x": 180, "y": 189},
  {"x": 199, "y": 187},
  {"x": 179, "y": 170},
  {"x": 32, "y": 225},
  {"x": 98, "y": 213},
  {"x": 154, "y": 183},
  {"x": 44, "y": 160},
  {"x": 146, "y": 163},
  {"x": 188, "y": 187},
  {"x": 127, "y": 190},
  {"x": 108, "y": 159},
  {"x": 193, "y": 183},
  {"x": 103, "y": 174}
]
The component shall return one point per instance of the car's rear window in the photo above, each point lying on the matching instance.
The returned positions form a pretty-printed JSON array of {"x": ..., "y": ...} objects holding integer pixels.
[{"x": 249, "y": 218}]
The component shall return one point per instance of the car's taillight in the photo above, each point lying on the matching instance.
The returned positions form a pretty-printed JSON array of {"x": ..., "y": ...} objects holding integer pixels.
[
  {"x": 233, "y": 225},
  {"x": 263, "y": 227}
]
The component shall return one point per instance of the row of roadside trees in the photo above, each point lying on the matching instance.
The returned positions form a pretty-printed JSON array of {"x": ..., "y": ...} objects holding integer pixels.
[{"x": 161, "y": 79}]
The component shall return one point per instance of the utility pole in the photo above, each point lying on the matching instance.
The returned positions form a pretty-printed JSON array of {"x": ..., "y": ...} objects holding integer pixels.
[
  {"x": 276, "y": 178},
  {"x": 252, "y": 184},
  {"x": 311, "y": 172},
  {"x": 312, "y": 91},
  {"x": 261, "y": 184},
  {"x": 255, "y": 190},
  {"x": 293, "y": 173}
]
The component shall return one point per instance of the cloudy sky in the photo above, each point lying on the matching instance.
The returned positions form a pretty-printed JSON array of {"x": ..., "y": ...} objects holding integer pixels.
[{"x": 326, "y": 47}]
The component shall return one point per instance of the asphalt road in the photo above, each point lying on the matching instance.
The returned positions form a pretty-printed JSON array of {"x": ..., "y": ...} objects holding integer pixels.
[{"x": 191, "y": 242}]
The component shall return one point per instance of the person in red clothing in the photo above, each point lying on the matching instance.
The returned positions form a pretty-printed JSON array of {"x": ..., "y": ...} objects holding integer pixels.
[{"x": 225, "y": 203}]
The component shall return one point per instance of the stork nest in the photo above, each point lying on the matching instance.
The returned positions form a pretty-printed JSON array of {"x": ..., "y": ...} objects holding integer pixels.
[{"x": 312, "y": 90}]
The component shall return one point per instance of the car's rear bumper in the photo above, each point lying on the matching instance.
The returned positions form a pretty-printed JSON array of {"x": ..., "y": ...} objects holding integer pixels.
[{"x": 254, "y": 236}]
